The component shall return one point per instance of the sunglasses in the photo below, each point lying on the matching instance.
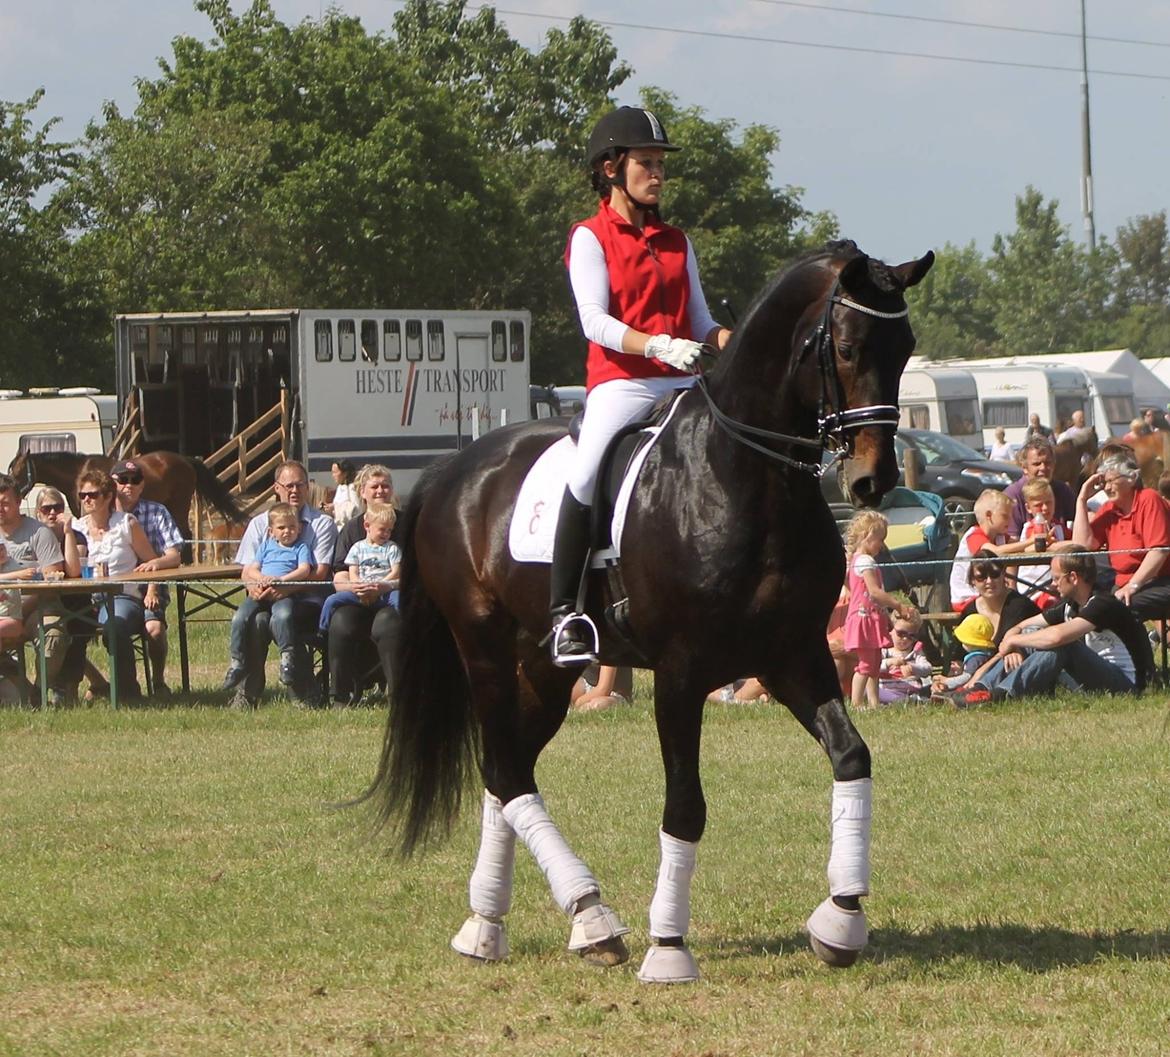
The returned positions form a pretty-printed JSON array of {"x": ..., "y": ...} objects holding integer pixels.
[
  {"x": 991, "y": 574},
  {"x": 129, "y": 478},
  {"x": 53, "y": 508},
  {"x": 93, "y": 497},
  {"x": 902, "y": 634}
]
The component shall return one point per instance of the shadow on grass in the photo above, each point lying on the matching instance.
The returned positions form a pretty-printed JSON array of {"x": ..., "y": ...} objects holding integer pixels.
[{"x": 1034, "y": 949}]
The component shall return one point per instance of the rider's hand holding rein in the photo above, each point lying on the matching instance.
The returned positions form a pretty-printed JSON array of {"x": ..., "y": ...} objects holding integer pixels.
[{"x": 680, "y": 353}]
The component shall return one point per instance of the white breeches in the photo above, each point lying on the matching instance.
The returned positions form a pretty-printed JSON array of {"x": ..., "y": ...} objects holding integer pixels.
[
  {"x": 491, "y": 880},
  {"x": 670, "y": 909},
  {"x": 612, "y": 405},
  {"x": 568, "y": 877},
  {"x": 849, "y": 838}
]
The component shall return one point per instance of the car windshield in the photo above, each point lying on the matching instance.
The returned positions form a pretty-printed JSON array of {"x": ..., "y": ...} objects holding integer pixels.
[{"x": 938, "y": 447}]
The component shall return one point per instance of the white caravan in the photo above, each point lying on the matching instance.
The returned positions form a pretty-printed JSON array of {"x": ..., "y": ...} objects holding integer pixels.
[
  {"x": 1114, "y": 403},
  {"x": 395, "y": 386},
  {"x": 944, "y": 399},
  {"x": 1010, "y": 391},
  {"x": 55, "y": 420}
]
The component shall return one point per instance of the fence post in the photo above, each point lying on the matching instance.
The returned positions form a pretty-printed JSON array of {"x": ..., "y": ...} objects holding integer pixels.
[{"x": 910, "y": 462}]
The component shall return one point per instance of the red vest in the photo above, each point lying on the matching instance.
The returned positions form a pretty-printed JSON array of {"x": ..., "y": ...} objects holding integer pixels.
[{"x": 648, "y": 290}]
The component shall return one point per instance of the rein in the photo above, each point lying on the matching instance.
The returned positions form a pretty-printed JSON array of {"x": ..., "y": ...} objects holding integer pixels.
[{"x": 833, "y": 423}]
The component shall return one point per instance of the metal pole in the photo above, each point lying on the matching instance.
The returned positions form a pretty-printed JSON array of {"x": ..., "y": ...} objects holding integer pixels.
[{"x": 1086, "y": 144}]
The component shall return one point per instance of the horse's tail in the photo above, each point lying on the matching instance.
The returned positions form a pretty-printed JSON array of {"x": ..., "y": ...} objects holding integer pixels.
[
  {"x": 431, "y": 739},
  {"x": 216, "y": 492}
]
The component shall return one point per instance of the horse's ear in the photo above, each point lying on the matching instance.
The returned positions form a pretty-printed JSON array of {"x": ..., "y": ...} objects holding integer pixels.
[
  {"x": 911, "y": 273},
  {"x": 854, "y": 271}
]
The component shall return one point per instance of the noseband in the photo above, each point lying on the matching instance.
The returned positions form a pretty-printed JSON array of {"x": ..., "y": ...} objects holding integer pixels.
[{"x": 835, "y": 425}]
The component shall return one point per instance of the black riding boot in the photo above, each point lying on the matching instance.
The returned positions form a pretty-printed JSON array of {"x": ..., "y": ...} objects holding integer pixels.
[{"x": 574, "y": 639}]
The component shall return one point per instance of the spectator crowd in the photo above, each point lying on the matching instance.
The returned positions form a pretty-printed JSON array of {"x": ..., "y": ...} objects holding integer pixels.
[
  {"x": 313, "y": 581},
  {"x": 1036, "y": 608}
]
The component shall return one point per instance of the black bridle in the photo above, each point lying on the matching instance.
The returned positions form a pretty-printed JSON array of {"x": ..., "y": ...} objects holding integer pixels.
[{"x": 835, "y": 425}]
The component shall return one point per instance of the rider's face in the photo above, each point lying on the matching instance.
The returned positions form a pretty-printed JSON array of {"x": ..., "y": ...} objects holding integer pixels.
[{"x": 645, "y": 174}]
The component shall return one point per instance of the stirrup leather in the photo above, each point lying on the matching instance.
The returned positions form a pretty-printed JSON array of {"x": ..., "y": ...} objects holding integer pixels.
[{"x": 561, "y": 638}]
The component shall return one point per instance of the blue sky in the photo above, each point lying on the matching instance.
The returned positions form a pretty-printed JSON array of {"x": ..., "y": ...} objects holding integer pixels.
[{"x": 909, "y": 153}]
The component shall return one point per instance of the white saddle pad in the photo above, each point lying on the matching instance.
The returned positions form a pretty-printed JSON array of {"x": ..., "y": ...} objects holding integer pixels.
[{"x": 534, "y": 521}]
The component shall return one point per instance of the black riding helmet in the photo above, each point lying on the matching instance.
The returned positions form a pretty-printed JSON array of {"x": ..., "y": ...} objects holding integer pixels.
[{"x": 619, "y": 132}]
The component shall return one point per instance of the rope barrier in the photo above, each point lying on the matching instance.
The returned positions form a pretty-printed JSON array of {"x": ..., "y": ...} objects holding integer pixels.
[{"x": 1017, "y": 559}]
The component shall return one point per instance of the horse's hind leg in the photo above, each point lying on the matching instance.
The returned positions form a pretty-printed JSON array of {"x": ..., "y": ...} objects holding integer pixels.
[
  {"x": 809, "y": 689},
  {"x": 482, "y": 935},
  {"x": 518, "y": 718}
]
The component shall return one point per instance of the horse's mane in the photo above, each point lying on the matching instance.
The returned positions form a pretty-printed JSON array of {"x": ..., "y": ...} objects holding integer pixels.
[{"x": 788, "y": 284}]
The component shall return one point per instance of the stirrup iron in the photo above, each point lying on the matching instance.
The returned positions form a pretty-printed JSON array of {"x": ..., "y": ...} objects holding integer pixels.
[{"x": 560, "y": 639}]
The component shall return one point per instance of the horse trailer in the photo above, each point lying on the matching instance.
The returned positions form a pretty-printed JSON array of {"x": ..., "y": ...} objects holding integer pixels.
[
  {"x": 943, "y": 399},
  {"x": 394, "y": 386}
]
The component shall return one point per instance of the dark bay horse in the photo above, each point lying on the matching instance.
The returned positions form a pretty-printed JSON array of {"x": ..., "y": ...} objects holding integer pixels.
[
  {"x": 168, "y": 478},
  {"x": 732, "y": 563}
]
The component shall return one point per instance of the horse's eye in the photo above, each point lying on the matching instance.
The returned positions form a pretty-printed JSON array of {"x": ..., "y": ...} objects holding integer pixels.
[{"x": 845, "y": 350}]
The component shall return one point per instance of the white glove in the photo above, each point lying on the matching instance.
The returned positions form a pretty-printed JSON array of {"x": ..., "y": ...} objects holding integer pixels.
[{"x": 676, "y": 352}]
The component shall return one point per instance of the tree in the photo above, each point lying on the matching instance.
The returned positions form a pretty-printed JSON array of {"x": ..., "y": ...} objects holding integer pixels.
[
  {"x": 1143, "y": 276},
  {"x": 950, "y": 308},
  {"x": 321, "y": 165},
  {"x": 1045, "y": 287},
  {"x": 43, "y": 312}
]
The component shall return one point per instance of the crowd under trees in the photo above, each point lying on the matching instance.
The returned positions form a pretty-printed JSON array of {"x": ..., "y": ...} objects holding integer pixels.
[{"x": 439, "y": 166}]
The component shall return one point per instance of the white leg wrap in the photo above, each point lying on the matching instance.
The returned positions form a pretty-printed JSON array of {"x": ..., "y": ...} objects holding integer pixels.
[
  {"x": 670, "y": 909},
  {"x": 568, "y": 877},
  {"x": 849, "y": 838},
  {"x": 491, "y": 880},
  {"x": 482, "y": 938}
]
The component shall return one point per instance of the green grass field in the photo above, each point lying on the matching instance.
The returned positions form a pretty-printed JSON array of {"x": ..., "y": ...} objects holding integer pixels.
[{"x": 173, "y": 881}]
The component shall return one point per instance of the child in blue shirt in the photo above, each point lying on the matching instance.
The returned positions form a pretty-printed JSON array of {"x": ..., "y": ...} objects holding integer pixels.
[
  {"x": 374, "y": 560},
  {"x": 279, "y": 559}
]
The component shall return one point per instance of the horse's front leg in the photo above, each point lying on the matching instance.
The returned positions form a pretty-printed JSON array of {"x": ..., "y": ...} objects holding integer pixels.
[
  {"x": 678, "y": 713},
  {"x": 809, "y": 689}
]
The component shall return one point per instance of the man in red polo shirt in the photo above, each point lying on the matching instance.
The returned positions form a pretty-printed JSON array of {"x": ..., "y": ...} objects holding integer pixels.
[{"x": 1134, "y": 525}]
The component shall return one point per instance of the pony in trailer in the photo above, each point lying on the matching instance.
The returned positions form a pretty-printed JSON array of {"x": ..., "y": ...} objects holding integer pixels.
[{"x": 730, "y": 494}]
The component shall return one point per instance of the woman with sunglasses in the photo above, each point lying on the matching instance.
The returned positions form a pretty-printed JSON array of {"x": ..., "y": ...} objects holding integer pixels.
[
  {"x": 117, "y": 542},
  {"x": 994, "y": 597},
  {"x": 53, "y": 513}
]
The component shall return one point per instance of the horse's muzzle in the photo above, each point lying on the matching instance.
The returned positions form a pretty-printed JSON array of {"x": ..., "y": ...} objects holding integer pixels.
[{"x": 870, "y": 472}]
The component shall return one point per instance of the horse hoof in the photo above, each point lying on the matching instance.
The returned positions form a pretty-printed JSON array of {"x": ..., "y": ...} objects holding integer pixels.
[
  {"x": 668, "y": 965},
  {"x": 834, "y": 957},
  {"x": 607, "y": 953},
  {"x": 837, "y": 936},
  {"x": 482, "y": 939},
  {"x": 596, "y": 936}
]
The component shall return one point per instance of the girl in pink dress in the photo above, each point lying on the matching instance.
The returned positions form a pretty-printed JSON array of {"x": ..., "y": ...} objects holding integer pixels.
[{"x": 867, "y": 624}]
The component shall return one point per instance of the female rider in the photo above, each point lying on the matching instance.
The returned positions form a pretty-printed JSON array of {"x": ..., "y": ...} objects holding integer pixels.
[{"x": 636, "y": 286}]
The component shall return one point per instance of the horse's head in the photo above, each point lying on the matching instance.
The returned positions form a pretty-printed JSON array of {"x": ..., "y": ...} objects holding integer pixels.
[
  {"x": 20, "y": 469},
  {"x": 819, "y": 355},
  {"x": 866, "y": 340}
]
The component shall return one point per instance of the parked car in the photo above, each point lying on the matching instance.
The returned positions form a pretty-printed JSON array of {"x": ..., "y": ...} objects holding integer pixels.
[
  {"x": 571, "y": 397},
  {"x": 947, "y": 468},
  {"x": 543, "y": 402}
]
